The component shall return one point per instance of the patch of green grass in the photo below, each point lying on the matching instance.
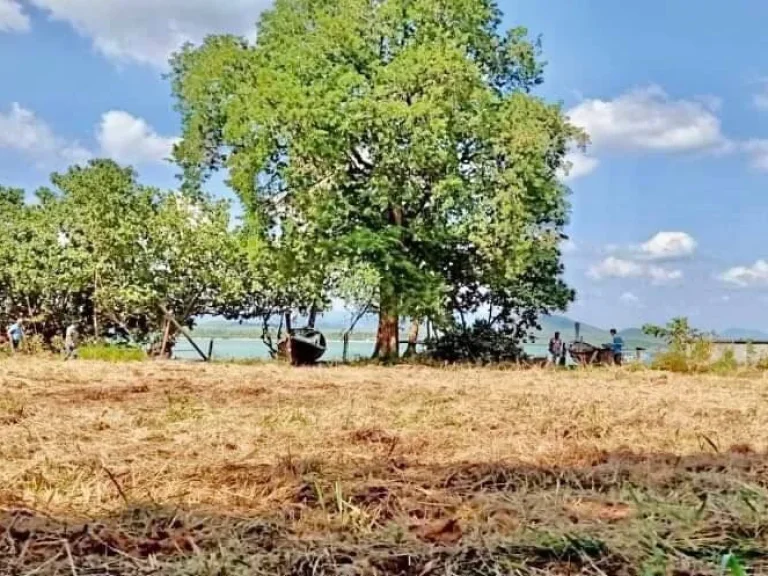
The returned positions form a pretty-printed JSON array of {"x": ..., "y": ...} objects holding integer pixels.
[{"x": 107, "y": 353}]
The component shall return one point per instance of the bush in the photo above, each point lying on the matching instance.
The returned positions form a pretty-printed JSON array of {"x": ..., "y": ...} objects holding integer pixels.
[
  {"x": 480, "y": 344},
  {"x": 57, "y": 344},
  {"x": 726, "y": 363},
  {"x": 674, "y": 361},
  {"x": 32, "y": 345},
  {"x": 108, "y": 353},
  {"x": 762, "y": 363}
]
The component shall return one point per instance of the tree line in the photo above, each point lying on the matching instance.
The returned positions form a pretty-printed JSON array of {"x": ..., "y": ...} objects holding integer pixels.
[{"x": 390, "y": 154}]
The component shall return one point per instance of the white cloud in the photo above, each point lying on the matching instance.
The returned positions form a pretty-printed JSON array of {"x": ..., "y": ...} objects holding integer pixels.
[
  {"x": 668, "y": 245},
  {"x": 757, "y": 150},
  {"x": 660, "y": 276},
  {"x": 579, "y": 165},
  {"x": 613, "y": 267},
  {"x": 12, "y": 17},
  {"x": 148, "y": 31},
  {"x": 131, "y": 140},
  {"x": 648, "y": 119},
  {"x": 120, "y": 136},
  {"x": 22, "y": 131},
  {"x": 629, "y": 298},
  {"x": 744, "y": 276}
]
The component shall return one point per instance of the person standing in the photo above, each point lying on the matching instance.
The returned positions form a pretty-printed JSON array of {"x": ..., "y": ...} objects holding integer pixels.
[
  {"x": 70, "y": 341},
  {"x": 617, "y": 346},
  {"x": 16, "y": 335},
  {"x": 557, "y": 350}
]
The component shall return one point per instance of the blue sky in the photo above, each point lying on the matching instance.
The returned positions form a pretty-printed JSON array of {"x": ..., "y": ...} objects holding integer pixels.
[{"x": 669, "y": 203}]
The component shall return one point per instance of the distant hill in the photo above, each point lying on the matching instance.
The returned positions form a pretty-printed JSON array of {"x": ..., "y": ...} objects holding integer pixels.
[
  {"x": 743, "y": 334},
  {"x": 633, "y": 337}
]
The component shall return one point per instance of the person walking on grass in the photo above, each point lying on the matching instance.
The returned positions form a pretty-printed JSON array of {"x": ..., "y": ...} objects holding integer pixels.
[
  {"x": 16, "y": 335},
  {"x": 617, "y": 346},
  {"x": 70, "y": 341},
  {"x": 557, "y": 350}
]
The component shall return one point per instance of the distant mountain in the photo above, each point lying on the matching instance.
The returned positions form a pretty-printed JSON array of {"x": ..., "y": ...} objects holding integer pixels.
[{"x": 743, "y": 334}]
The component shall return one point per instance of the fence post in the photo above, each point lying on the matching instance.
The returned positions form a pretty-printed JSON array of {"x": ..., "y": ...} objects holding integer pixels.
[
  {"x": 346, "y": 347},
  {"x": 210, "y": 350}
]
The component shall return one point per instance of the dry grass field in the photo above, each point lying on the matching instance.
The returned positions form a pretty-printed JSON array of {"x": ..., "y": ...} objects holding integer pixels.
[{"x": 173, "y": 468}]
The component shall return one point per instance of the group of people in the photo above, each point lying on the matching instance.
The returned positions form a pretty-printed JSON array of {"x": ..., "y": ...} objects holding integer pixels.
[
  {"x": 557, "y": 349},
  {"x": 15, "y": 334}
]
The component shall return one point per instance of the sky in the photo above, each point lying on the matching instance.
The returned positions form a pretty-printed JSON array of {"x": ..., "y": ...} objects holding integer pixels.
[{"x": 669, "y": 200}]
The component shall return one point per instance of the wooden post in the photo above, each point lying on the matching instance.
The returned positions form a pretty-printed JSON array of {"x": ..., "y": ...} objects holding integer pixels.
[
  {"x": 183, "y": 331},
  {"x": 210, "y": 350}
]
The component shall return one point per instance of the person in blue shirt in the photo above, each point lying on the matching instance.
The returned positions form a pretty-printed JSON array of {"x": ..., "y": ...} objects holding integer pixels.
[
  {"x": 16, "y": 335},
  {"x": 617, "y": 346}
]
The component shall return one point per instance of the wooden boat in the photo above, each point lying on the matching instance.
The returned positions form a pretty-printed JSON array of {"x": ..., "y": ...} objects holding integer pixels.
[
  {"x": 586, "y": 354},
  {"x": 304, "y": 346}
]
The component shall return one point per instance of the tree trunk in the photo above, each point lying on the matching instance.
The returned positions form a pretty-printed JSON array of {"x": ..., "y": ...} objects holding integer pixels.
[
  {"x": 95, "y": 309},
  {"x": 312, "y": 319},
  {"x": 413, "y": 338},
  {"x": 388, "y": 334}
]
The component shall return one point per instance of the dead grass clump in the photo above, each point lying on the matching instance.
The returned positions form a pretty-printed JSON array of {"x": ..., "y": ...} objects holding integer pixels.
[{"x": 373, "y": 436}]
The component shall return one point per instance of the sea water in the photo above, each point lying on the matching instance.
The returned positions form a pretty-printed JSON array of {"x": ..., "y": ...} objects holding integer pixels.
[{"x": 254, "y": 349}]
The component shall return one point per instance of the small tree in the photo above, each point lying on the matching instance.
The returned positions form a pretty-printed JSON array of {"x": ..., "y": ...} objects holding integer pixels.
[{"x": 689, "y": 349}]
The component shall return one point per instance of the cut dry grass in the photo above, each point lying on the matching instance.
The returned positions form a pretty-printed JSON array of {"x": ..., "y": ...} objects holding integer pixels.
[{"x": 461, "y": 471}]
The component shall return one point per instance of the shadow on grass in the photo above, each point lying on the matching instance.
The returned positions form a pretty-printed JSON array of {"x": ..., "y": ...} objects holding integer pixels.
[{"x": 624, "y": 513}]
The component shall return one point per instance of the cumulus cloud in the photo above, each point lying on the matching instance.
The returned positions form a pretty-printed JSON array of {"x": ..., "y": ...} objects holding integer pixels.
[
  {"x": 120, "y": 136},
  {"x": 613, "y": 267},
  {"x": 22, "y": 131},
  {"x": 579, "y": 165},
  {"x": 649, "y": 119},
  {"x": 148, "y": 31},
  {"x": 131, "y": 140},
  {"x": 12, "y": 17},
  {"x": 745, "y": 276},
  {"x": 669, "y": 245}
]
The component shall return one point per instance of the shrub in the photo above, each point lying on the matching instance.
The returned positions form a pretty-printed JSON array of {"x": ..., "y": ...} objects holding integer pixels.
[
  {"x": 108, "y": 353},
  {"x": 33, "y": 345},
  {"x": 57, "y": 344},
  {"x": 689, "y": 350},
  {"x": 673, "y": 361},
  {"x": 726, "y": 363},
  {"x": 481, "y": 344}
]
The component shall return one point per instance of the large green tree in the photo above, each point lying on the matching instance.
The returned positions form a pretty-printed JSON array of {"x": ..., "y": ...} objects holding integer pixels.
[{"x": 401, "y": 134}]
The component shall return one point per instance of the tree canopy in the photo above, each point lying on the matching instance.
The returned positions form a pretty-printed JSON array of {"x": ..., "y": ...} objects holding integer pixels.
[
  {"x": 402, "y": 136},
  {"x": 99, "y": 247}
]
